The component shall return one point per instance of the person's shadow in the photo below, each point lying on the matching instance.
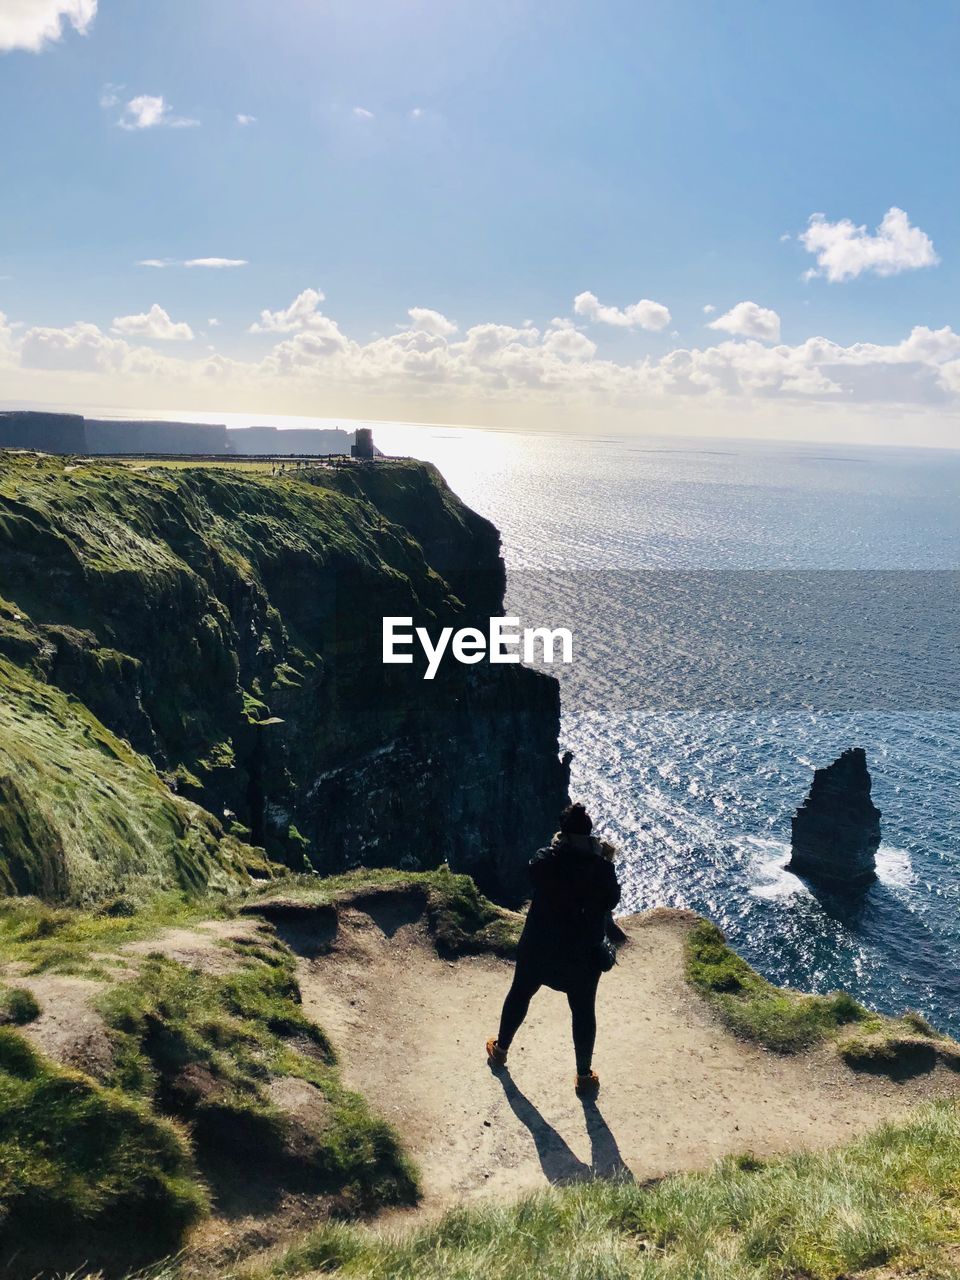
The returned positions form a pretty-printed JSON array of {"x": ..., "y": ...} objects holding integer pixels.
[
  {"x": 605, "y": 1158},
  {"x": 557, "y": 1161}
]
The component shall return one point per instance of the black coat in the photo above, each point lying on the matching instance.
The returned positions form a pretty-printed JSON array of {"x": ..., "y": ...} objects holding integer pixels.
[{"x": 574, "y": 887}]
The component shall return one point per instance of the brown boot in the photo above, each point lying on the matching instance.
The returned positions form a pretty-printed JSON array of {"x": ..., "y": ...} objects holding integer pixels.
[
  {"x": 587, "y": 1086},
  {"x": 496, "y": 1057}
]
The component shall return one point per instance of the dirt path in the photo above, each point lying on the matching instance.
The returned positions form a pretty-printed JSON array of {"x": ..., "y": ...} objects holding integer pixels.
[{"x": 678, "y": 1090}]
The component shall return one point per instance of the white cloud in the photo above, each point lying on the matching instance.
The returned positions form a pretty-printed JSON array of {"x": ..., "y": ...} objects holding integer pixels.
[
  {"x": 845, "y": 251},
  {"x": 491, "y": 370},
  {"x": 30, "y": 24},
  {"x": 569, "y": 344},
  {"x": 915, "y": 371},
  {"x": 708, "y": 309},
  {"x": 213, "y": 322},
  {"x": 431, "y": 322},
  {"x": 154, "y": 324},
  {"x": 216, "y": 264},
  {"x": 747, "y": 320},
  {"x": 147, "y": 111},
  {"x": 78, "y": 347},
  {"x": 243, "y": 119},
  {"x": 417, "y": 113},
  {"x": 362, "y": 113},
  {"x": 643, "y": 314},
  {"x": 303, "y": 313},
  {"x": 7, "y": 341}
]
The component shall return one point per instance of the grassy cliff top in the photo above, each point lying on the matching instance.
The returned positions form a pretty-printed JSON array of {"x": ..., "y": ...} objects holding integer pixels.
[{"x": 117, "y": 516}]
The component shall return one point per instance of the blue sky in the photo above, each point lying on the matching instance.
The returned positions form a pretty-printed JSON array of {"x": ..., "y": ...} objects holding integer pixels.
[{"x": 490, "y": 163}]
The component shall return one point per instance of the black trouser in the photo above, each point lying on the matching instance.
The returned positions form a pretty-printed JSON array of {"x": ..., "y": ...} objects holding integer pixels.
[{"x": 581, "y": 996}]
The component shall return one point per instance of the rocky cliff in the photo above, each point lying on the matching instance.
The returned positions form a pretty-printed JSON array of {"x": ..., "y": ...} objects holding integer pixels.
[
  {"x": 836, "y": 831},
  {"x": 69, "y": 433},
  {"x": 52, "y": 432},
  {"x": 191, "y": 650}
]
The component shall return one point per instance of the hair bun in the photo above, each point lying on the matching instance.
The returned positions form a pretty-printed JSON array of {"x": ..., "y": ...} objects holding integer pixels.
[{"x": 575, "y": 821}]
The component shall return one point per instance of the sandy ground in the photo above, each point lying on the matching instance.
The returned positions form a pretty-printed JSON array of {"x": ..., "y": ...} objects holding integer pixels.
[{"x": 677, "y": 1089}]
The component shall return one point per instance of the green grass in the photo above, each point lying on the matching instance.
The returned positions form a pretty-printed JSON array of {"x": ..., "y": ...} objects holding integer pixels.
[
  {"x": 38, "y": 938},
  {"x": 460, "y": 918},
  {"x": 85, "y": 1168},
  {"x": 83, "y": 816},
  {"x": 196, "y": 1053},
  {"x": 789, "y": 1021},
  {"x": 18, "y": 1006},
  {"x": 197, "y": 1058},
  {"x": 464, "y": 922},
  {"x": 905, "y": 1044},
  {"x": 890, "y": 1199},
  {"x": 205, "y": 1048},
  {"x": 102, "y": 714}
]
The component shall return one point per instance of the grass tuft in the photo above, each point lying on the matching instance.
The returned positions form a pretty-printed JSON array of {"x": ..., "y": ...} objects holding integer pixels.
[
  {"x": 789, "y": 1021},
  {"x": 18, "y": 1006},
  {"x": 754, "y": 1009},
  {"x": 40, "y": 939},
  {"x": 464, "y": 922},
  {"x": 461, "y": 920},
  {"x": 83, "y": 1167}
]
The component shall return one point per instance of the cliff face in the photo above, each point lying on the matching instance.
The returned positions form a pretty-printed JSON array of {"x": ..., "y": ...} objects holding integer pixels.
[
  {"x": 69, "y": 433},
  {"x": 291, "y": 440},
  {"x": 109, "y": 435},
  {"x": 52, "y": 432},
  {"x": 227, "y": 625}
]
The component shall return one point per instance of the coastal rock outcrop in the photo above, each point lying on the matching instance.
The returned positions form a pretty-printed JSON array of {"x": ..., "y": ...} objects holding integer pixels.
[
  {"x": 836, "y": 831},
  {"x": 218, "y": 631}
]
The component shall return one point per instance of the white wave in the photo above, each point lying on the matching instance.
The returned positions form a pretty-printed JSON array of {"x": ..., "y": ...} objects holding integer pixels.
[
  {"x": 768, "y": 866},
  {"x": 895, "y": 867},
  {"x": 773, "y": 880}
]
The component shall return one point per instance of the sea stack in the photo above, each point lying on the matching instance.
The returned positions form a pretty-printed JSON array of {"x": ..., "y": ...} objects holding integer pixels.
[{"x": 836, "y": 831}]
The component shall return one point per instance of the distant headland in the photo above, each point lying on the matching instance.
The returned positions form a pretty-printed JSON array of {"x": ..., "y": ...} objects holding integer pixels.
[{"x": 71, "y": 433}]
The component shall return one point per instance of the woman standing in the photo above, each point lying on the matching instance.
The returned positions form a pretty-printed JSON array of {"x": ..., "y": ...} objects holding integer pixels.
[{"x": 563, "y": 944}]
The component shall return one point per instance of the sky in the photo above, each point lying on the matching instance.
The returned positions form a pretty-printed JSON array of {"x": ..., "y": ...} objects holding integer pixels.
[{"x": 593, "y": 215}]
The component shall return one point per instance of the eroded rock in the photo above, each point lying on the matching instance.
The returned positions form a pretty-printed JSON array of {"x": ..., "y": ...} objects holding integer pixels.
[{"x": 836, "y": 831}]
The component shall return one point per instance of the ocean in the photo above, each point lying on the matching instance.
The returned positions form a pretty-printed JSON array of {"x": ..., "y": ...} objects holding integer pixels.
[{"x": 742, "y": 612}]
